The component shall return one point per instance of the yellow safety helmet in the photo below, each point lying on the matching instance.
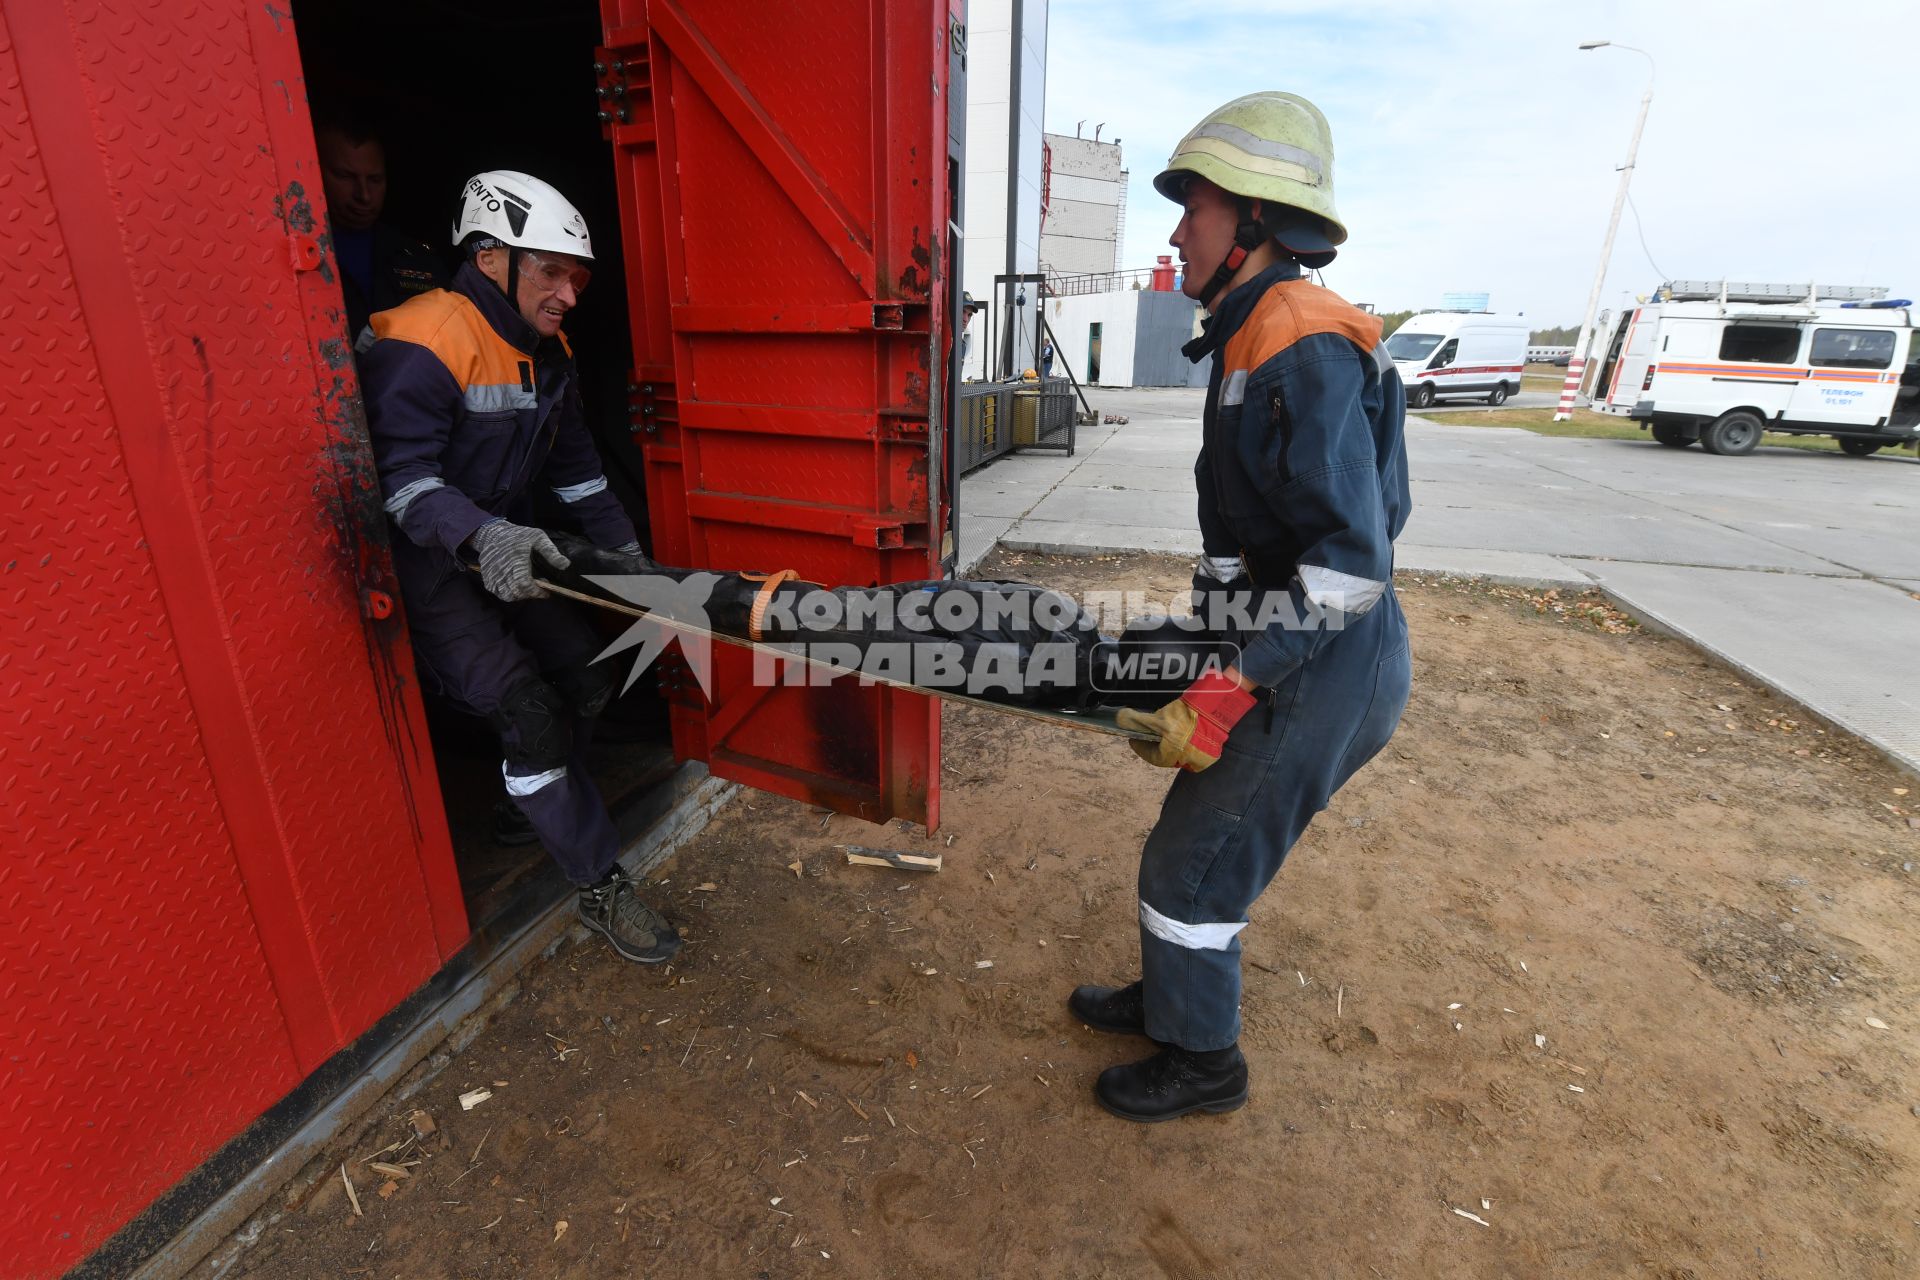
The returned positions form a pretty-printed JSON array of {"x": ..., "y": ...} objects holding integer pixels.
[{"x": 1275, "y": 148}]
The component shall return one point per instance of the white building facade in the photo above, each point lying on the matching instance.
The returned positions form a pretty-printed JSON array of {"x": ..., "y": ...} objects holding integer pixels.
[
  {"x": 1006, "y": 98},
  {"x": 1086, "y": 192}
]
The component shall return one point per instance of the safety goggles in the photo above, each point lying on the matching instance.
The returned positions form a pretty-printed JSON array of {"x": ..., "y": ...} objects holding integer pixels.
[{"x": 549, "y": 273}]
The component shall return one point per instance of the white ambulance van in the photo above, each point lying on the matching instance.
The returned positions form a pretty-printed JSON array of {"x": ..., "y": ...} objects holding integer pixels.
[
  {"x": 1721, "y": 362},
  {"x": 1459, "y": 353}
]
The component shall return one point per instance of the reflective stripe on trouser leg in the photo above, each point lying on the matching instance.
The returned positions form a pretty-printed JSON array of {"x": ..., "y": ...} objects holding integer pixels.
[
  {"x": 571, "y": 818},
  {"x": 1193, "y": 971},
  {"x": 526, "y": 785},
  {"x": 1194, "y": 937}
]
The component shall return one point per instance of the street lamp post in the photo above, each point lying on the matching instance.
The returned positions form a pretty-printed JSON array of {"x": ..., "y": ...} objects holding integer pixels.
[{"x": 1577, "y": 366}]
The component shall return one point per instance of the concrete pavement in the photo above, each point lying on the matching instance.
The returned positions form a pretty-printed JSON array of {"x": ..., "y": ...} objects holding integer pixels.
[
  {"x": 1799, "y": 568},
  {"x": 1528, "y": 399}
]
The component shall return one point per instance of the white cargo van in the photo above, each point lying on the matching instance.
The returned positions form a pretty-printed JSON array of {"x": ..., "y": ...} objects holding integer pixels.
[
  {"x": 1722, "y": 361},
  {"x": 1459, "y": 353}
]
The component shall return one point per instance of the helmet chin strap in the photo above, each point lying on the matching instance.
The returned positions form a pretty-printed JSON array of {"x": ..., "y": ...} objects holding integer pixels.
[
  {"x": 512, "y": 285},
  {"x": 1250, "y": 235}
]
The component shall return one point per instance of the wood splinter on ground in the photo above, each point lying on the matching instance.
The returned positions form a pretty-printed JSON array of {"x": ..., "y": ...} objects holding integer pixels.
[
  {"x": 861, "y": 856},
  {"x": 353, "y": 1196}
]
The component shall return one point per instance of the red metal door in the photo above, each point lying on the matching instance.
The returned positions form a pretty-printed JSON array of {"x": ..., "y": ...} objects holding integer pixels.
[
  {"x": 783, "y": 184},
  {"x": 222, "y": 850}
]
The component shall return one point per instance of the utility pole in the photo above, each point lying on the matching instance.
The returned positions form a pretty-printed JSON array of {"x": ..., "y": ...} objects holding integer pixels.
[{"x": 1577, "y": 365}]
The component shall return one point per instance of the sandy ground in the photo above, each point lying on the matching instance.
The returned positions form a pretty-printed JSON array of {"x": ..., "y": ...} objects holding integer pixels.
[{"x": 1608, "y": 949}]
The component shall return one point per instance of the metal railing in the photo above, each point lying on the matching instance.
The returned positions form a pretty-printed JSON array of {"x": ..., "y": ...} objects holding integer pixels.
[
  {"x": 1067, "y": 286},
  {"x": 996, "y": 418},
  {"x": 983, "y": 430}
]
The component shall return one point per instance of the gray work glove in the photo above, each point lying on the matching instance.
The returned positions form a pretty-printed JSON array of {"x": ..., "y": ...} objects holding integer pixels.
[{"x": 506, "y": 553}]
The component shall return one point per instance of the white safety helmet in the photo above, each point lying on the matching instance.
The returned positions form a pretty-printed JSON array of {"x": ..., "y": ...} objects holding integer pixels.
[{"x": 522, "y": 212}]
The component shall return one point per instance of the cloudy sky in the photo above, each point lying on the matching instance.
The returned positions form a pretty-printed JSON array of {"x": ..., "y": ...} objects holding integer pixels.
[{"x": 1476, "y": 146}]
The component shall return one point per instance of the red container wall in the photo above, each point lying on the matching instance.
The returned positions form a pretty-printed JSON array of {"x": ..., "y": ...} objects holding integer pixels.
[
  {"x": 222, "y": 845},
  {"x": 783, "y": 183}
]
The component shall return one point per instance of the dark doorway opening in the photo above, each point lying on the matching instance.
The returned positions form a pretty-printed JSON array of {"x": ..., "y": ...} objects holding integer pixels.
[
  {"x": 1093, "y": 353},
  {"x": 453, "y": 89},
  {"x": 1616, "y": 345}
]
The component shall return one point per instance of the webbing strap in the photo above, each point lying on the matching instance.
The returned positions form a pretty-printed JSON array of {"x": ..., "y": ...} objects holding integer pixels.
[{"x": 769, "y": 583}]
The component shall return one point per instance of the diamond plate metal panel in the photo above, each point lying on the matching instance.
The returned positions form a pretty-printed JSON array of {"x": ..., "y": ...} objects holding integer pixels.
[
  {"x": 224, "y": 851},
  {"x": 784, "y": 191}
]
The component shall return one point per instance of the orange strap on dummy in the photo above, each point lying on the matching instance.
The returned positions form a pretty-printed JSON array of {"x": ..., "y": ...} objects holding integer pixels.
[{"x": 769, "y": 583}]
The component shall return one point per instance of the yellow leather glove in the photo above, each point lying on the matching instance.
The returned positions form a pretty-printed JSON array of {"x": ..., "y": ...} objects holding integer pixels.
[{"x": 1193, "y": 728}]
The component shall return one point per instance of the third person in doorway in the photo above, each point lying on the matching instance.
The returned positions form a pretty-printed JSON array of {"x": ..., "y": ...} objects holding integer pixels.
[
  {"x": 380, "y": 266},
  {"x": 1302, "y": 485}
]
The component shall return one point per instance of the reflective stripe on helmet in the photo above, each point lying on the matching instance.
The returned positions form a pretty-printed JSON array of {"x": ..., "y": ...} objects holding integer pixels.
[{"x": 1256, "y": 155}]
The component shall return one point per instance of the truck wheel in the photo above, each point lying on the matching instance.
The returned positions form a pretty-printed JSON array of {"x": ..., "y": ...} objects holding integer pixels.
[
  {"x": 1423, "y": 395},
  {"x": 1859, "y": 448},
  {"x": 1732, "y": 435},
  {"x": 1671, "y": 436},
  {"x": 1498, "y": 396}
]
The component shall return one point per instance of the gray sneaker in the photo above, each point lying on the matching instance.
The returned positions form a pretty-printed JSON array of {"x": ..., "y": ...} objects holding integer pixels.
[{"x": 635, "y": 929}]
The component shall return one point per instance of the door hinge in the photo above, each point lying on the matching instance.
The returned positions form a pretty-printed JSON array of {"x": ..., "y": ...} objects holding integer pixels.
[{"x": 621, "y": 76}]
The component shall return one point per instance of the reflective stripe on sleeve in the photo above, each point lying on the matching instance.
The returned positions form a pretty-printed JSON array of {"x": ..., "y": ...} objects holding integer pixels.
[
  {"x": 1331, "y": 589},
  {"x": 1194, "y": 937},
  {"x": 1222, "y": 568},
  {"x": 585, "y": 489},
  {"x": 398, "y": 503}
]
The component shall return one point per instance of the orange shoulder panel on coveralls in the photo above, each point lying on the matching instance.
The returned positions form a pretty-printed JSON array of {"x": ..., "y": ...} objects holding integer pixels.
[{"x": 1289, "y": 311}]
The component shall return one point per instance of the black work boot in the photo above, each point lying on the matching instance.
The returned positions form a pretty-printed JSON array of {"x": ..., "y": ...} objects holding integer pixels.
[
  {"x": 510, "y": 826},
  {"x": 1117, "y": 1009},
  {"x": 1174, "y": 1082},
  {"x": 635, "y": 929}
]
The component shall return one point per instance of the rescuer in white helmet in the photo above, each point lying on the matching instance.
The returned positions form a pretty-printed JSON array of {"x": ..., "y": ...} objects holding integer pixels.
[{"x": 473, "y": 405}]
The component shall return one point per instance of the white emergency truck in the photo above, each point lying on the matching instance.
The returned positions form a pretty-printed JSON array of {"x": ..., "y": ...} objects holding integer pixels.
[
  {"x": 1459, "y": 353},
  {"x": 1722, "y": 361}
]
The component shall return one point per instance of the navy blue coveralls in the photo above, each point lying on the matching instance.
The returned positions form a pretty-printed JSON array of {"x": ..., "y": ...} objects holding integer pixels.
[
  {"x": 1302, "y": 480},
  {"x": 470, "y": 412}
]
